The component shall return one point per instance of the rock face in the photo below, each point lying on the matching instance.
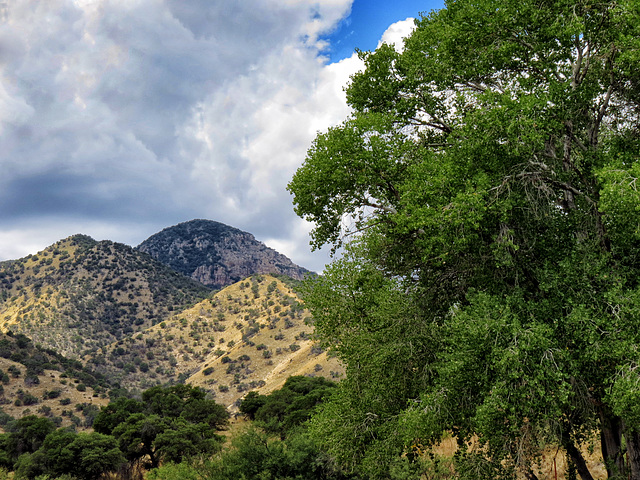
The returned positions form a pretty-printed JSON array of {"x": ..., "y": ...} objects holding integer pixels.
[{"x": 216, "y": 254}]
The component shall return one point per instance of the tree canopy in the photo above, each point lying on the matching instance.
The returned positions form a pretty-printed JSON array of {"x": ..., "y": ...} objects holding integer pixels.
[
  {"x": 289, "y": 407},
  {"x": 169, "y": 423},
  {"x": 485, "y": 193}
]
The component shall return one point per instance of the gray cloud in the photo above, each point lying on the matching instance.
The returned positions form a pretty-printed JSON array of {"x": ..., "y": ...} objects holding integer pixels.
[{"x": 122, "y": 117}]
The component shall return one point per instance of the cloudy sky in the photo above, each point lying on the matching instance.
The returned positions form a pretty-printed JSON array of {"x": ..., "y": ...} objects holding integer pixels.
[{"x": 119, "y": 118}]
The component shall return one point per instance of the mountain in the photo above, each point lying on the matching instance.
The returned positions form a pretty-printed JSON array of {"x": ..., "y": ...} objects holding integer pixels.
[
  {"x": 131, "y": 321},
  {"x": 216, "y": 254},
  {"x": 79, "y": 295}
]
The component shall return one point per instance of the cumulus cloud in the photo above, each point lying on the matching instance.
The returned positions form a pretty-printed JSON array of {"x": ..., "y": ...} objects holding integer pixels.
[
  {"x": 121, "y": 117},
  {"x": 397, "y": 32}
]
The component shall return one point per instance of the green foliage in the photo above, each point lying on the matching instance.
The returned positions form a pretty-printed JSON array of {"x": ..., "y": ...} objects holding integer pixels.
[
  {"x": 115, "y": 413},
  {"x": 168, "y": 424},
  {"x": 27, "y": 434},
  {"x": 251, "y": 403},
  {"x": 175, "y": 471},
  {"x": 485, "y": 193},
  {"x": 66, "y": 454},
  {"x": 256, "y": 455},
  {"x": 84, "y": 456},
  {"x": 287, "y": 408}
]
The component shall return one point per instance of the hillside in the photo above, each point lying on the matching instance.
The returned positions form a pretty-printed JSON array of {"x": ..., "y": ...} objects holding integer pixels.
[
  {"x": 36, "y": 380},
  {"x": 216, "y": 254},
  {"x": 139, "y": 323},
  {"x": 79, "y": 295},
  {"x": 251, "y": 335}
]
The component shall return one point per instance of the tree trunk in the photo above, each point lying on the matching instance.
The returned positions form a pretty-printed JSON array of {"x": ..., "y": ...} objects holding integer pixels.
[
  {"x": 632, "y": 438},
  {"x": 577, "y": 458},
  {"x": 574, "y": 454},
  {"x": 611, "y": 444},
  {"x": 529, "y": 475}
]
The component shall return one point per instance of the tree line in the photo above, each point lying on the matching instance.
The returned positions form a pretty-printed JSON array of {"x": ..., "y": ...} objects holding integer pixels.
[{"x": 166, "y": 425}]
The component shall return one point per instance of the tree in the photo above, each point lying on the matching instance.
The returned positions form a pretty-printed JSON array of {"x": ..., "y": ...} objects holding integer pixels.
[
  {"x": 27, "y": 434},
  {"x": 85, "y": 456},
  {"x": 287, "y": 408},
  {"x": 168, "y": 424},
  {"x": 115, "y": 413},
  {"x": 137, "y": 434},
  {"x": 485, "y": 193},
  {"x": 251, "y": 403},
  {"x": 256, "y": 455}
]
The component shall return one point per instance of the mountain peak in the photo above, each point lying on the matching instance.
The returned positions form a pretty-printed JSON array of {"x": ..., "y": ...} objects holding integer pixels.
[{"x": 216, "y": 254}]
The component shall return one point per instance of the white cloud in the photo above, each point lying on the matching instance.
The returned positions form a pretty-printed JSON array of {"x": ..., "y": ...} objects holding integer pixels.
[
  {"x": 122, "y": 117},
  {"x": 397, "y": 32}
]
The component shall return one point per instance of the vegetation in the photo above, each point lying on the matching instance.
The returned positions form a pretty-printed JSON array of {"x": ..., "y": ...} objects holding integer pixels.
[
  {"x": 256, "y": 454},
  {"x": 168, "y": 424},
  {"x": 287, "y": 408},
  {"x": 36, "y": 359},
  {"x": 489, "y": 287}
]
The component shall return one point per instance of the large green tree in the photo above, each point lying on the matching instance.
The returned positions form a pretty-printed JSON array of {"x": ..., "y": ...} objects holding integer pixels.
[
  {"x": 168, "y": 424},
  {"x": 485, "y": 190}
]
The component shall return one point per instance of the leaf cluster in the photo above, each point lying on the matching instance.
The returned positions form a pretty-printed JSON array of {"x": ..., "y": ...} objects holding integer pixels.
[{"x": 282, "y": 411}]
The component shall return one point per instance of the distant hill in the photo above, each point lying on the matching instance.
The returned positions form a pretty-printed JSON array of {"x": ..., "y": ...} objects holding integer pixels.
[
  {"x": 216, "y": 254},
  {"x": 127, "y": 320},
  {"x": 79, "y": 295}
]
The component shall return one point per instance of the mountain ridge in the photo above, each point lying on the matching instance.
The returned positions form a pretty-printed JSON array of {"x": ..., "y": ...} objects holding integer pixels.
[
  {"x": 80, "y": 294},
  {"x": 216, "y": 254}
]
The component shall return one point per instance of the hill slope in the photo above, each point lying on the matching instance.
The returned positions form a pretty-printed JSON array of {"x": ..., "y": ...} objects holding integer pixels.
[
  {"x": 79, "y": 295},
  {"x": 36, "y": 380},
  {"x": 250, "y": 336},
  {"x": 216, "y": 254}
]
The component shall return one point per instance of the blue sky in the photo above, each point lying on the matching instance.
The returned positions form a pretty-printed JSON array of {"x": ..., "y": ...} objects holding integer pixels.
[
  {"x": 119, "y": 118},
  {"x": 367, "y": 22}
]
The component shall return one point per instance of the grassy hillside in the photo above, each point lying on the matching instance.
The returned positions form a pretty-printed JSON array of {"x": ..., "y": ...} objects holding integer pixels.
[
  {"x": 79, "y": 295},
  {"x": 35, "y": 380},
  {"x": 251, "y": 335}
]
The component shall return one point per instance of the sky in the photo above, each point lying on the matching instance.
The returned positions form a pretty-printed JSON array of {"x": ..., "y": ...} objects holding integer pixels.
[{"x": 119, "y": 118}]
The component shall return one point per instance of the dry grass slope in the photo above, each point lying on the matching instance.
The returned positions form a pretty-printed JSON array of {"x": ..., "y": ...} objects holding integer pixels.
[{"x": 251, "y": 335}]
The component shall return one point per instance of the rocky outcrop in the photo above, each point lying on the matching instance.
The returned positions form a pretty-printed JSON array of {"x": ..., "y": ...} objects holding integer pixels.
[{"x": 216, "y": 254}]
